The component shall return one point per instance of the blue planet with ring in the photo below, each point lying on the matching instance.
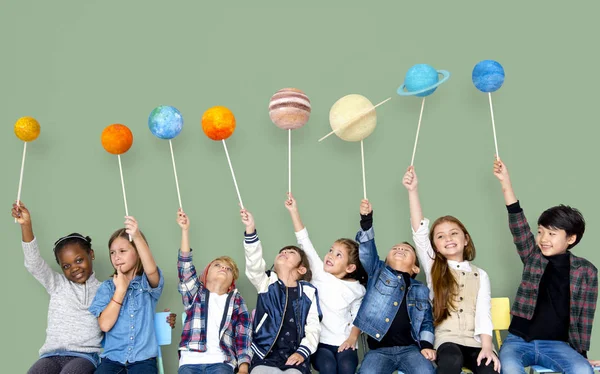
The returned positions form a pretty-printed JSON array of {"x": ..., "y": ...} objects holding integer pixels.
[
  {"x": 165, "y": 122},
  {"x": 422, "y": 80},
  {"x": 488, "y": 76}
]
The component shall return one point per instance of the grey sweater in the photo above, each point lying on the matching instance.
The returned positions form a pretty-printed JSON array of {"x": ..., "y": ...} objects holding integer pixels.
[{"x": 71, "y": 327}]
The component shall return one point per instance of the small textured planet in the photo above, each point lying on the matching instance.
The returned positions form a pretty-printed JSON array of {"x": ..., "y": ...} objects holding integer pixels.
[
  {"x": 117, "y": 139},
  {"x": 421, "y": 80},
  {"x": 353, "y": 118},
  {"x": 27, "y": 129},
  {"x": 289, "y": 108},
  {"x": 218, "y": 123},
  {"x": 165, "y": 122},
  {"x": 488, "y": 76}
]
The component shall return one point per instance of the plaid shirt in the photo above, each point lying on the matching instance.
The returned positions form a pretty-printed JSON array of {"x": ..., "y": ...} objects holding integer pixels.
[
  {"x": 236, "y": 326},
  {"x": 583, "y": 283}
]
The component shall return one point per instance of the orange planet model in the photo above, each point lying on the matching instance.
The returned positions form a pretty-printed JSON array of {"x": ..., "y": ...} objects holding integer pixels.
[
  {"x": 117, "y": 139},
  {"x": 27, "y": 129},
  {"x": 218, "y": 123}
]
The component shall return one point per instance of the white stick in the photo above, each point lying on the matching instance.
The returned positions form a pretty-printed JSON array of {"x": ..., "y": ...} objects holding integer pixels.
[
  {"x": 493, "y": 124},
  {"x": 175, "y": 171},
  {"x": 21, "y": 177},
  {"x": 362, "y": 157},
  {"x": 233, "y": 175},
  {"x": 348, "y": 123},
  {"x": 123, "y": 185},
  {"x": 417, "y": 137},
  {"x": 290, "y": 161}
]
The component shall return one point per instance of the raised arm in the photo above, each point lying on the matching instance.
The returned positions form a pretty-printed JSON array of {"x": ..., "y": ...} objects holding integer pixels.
[
  {"x": 292, "y": 206},
  {"x": 184, "y": 222},
  {"x": 420, "y": 227},
  {"x": 189, "y": 284},
  {"x": 34, "y": 263},
  {"x": 410, "y": 181},
  {"x": 501, "y": 172},
  {"x": 144, "y": 252},
  {"x": 316, "y": 264},
  {"x": 519, "y": 227},
  {"x": 367, "y": 251},
  {"x": 255, "y": 263}
]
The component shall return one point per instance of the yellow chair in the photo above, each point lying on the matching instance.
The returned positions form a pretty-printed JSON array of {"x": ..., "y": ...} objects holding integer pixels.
[{"x": 500, "y": 317}]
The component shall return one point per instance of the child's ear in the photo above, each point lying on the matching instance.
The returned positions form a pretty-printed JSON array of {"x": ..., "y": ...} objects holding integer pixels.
[
  {"x": 92, "y": 255},
  {"x": 571, "y": 239},
  {"x": 350, "y": 268},
  {"x": 302, "y": 270},
  {"x": 416, "y": 269}
]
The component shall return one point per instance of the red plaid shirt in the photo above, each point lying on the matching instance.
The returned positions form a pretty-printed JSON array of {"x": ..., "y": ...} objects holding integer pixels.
[
  {"x": 236, "y": 333},
  {"x": 583, "y": 284}
]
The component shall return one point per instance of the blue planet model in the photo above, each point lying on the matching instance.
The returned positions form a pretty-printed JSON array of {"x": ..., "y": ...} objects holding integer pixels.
[
  {"x": 488, "y": 76},
  {"x": 421, "y": 80},
  {"x": 165, "y": 122}
]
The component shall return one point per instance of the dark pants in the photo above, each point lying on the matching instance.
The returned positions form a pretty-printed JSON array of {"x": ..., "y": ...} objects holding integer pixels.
[
  {"x": 62, "y": 365},
  {"x": 451, "y": 358},
  {"x": 328, "y": 360},
  {"x": 141, "y": 367}
]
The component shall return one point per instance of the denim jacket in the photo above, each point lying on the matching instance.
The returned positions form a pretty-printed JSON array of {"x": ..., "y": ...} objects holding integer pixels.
[{"x": 385, "y": 291}]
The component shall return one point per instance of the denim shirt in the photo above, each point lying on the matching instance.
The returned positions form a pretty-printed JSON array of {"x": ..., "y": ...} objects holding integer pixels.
[
  {"x": 132, "y": 338},
  {"x": 385, "y": 291}
]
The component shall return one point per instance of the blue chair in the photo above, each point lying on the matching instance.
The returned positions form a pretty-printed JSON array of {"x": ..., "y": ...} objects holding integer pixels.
[
  {"x": 163, "y": 336},
  {"x": 541, "y": 369}
]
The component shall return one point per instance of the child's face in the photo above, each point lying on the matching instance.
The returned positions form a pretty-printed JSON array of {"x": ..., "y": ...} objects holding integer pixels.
[
  {"x": 123, "y": 255},
  {"x": 75, "y": 263},
  {"x": 336, "y": 261},
  {"x": 402, "y": 258},
  {"x": 553, "y": 241},
  {"x": 220, "y": 272},
  {"x": 450, "y": 240},
  {"x": 288, "y": 259}
]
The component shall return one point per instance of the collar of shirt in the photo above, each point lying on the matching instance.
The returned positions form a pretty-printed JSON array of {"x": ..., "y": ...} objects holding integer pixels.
[{"x": 464, "y": 265}]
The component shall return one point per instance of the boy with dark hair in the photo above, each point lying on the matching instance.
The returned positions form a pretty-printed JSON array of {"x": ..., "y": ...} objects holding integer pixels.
[{"x": 556, "y": 300}]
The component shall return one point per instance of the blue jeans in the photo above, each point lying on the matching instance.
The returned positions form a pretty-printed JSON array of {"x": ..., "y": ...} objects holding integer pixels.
[
  {"x": 328, "y": 360},
  {"x": 516, "y": 354},
  {"x": 140, "y": 367},
  {"x": 408, "y": 360},
  {"x": 206, "y": 369}
]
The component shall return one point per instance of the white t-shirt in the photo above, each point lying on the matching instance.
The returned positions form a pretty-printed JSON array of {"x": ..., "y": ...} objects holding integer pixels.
[
  {"x": 213, "y": 354},
  {"x": 339, "y": 299}
]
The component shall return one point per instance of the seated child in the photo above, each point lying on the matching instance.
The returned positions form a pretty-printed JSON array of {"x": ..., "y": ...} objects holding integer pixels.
[
  {"x": 287, "y": 322},
  {"x": 73, "y": 338},
  {"x": 395, "y": 313},
  {"x": 340, "y": 280},
  {"x": 125, "y": 305},
  {"x": 216, "y": 334},
  {"x": 554, "y": 308}
]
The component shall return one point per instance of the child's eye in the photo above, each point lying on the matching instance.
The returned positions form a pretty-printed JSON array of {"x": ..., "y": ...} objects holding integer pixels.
[
  {"x": 339, "y": 255},
  {"x": 79, "y": 260},
  {"x": 552, "y": 234},
  {"x": 65, "y": 266},
  {"x": 330, "y": 250}
]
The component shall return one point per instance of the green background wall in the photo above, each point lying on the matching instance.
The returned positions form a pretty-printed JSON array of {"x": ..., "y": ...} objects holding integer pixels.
[{"x": 78, "y": 66}]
